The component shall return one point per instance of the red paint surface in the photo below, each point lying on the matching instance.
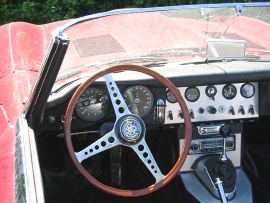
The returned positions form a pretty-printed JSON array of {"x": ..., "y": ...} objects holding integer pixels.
[{"x": 22, "y": 47}]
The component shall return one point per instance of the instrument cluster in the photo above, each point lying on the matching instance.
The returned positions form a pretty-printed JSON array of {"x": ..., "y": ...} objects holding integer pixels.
[
  {"x": 94, "y": 103},
  {"x": 215, "y": 102},
  {"x": 156, "y": 106}
]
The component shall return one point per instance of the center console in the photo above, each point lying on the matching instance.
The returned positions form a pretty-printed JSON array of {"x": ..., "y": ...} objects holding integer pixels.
[
  {"x": 212, "y": 144},
  {"x": 212, "y": 171}
]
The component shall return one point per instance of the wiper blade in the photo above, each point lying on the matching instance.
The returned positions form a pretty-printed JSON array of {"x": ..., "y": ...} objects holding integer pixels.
[
  {"x": 175, "y": 52},
  {"x": 68, "y": 75},
  {"x": 249, "y": 58},
  {"x": 143, "y": 59}
]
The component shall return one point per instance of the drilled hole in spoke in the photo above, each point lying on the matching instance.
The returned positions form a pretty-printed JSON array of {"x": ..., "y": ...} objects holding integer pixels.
[
  {"x": 145, "y": 154},
  {"x": 96, "y": 147},
  {"x": 110, "y": 83},
  {"x": 155, "y": 171},
  {"x": 112, "y": 88},
  {"x": 111, "y": 139},
  {"x": 85, "y": 153},
  {"x": 140, "y": 147},
  {"x": 149, "y": 161},
  {"x": 115, "y": 94},
  {"x": 91, "y": 150},
  {"x": 152, "y": 167},
  {"x": 118, "y": 102},
  {"x": 103, "y": 143},
  {"x": 121, "y": 110}
]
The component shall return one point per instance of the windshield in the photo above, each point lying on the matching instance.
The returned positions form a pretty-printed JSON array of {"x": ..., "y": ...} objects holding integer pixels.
[{"x": 165, "y": 35}]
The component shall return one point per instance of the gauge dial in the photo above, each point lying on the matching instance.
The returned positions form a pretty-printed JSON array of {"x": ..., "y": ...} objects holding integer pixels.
[
  {"x": 192, "y": 94},
  {"x": 93, "y": 104},
  {"x": 211, "y": 91},
  {"x": 229, "y": 91},
  {"x": 170, "y": 97},
  {"x": 247, "y": 90},
  {"x": 139, "y": 100}
]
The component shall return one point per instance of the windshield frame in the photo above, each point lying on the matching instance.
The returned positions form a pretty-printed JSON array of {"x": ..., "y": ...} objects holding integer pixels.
[{"x": 60, "y": 31}]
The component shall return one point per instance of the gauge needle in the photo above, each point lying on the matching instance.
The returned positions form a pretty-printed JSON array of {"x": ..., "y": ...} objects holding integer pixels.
[{"x": 230, "y": 90}]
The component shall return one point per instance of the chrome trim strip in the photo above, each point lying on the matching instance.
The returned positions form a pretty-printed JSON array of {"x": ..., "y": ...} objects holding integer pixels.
[{"x": 60, "y": 30}]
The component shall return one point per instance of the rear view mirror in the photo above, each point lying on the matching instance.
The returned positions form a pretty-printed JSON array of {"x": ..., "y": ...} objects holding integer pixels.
[{"x": 225, "y": 49}]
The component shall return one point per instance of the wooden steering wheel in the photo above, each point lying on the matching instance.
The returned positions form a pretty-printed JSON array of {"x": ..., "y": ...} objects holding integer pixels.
[{"x": 129, "y": 130}]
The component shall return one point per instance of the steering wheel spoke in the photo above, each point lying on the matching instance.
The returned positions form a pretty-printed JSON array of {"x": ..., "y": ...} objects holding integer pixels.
[
  {"x": 119, "y": 104},
  {"x": 145, "y": 154},
  {"x": 106, "y": 142}
]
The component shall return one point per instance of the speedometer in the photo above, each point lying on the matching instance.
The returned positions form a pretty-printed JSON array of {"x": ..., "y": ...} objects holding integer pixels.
[
  {"x": 92, "y": 105},
  {"x": 139, "y": 100}
]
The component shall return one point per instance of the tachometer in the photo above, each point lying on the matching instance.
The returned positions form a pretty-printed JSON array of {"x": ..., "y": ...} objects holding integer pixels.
[
  {"x": 139, "y": 100},
  {"x": 229, "y": 91},
  {"x": 247, "y": 90},
  {"x": 192, "y": 94},
  {"x": 93, "y": 104}
]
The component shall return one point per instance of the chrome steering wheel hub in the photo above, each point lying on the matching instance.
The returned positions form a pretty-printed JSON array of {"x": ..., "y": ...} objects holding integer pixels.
[{"x": 130, "y": 129}]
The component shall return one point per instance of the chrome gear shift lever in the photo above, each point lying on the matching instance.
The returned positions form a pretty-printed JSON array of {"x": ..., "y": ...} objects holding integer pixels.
[{"x": 225, "y": 131}]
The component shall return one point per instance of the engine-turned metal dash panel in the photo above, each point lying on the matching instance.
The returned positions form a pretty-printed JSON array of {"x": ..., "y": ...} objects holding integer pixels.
[{"x": 215, "y": 102}]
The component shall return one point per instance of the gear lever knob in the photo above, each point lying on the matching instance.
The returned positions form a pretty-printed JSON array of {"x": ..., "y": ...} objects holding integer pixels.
[{"x": 225, "y": 131}]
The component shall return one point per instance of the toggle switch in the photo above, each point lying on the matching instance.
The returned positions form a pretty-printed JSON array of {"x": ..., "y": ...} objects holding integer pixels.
[
  {"x": 251, "y": 110},
  {"x": 191, "y": 114},
  {"x": 180, "y": 114},
  {"x": 170, "y": 115},
  {"x": 231, "y": 110},
  {"x": 241, "y": 110}
]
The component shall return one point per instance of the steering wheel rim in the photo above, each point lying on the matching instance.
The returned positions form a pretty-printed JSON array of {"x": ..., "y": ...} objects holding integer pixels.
[{"x": 187, "y": 132}]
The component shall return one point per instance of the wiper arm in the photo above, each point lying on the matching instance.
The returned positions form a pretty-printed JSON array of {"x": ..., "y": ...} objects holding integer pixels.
[
  {"x": 175, "y": 52},
  {"x": 143, "y": 59}
]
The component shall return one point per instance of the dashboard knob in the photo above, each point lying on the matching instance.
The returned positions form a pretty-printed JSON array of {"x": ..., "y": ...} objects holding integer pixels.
[
  {"x": 51, "y": 120},
  {"x": 195, "y": 148},
  {"x": 241, "y": 110},
  {"x": 201, "y": 110},
  {"x": 230, "y": 145},
  {"x": 212, "y": 110}
]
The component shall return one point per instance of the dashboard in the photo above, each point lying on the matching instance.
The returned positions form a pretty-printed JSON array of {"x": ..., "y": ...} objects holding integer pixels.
[{"x": 156, "y": 105}]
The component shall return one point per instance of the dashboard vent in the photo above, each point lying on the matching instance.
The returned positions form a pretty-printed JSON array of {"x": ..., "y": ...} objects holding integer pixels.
[{"x": 98, "y": 45}]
